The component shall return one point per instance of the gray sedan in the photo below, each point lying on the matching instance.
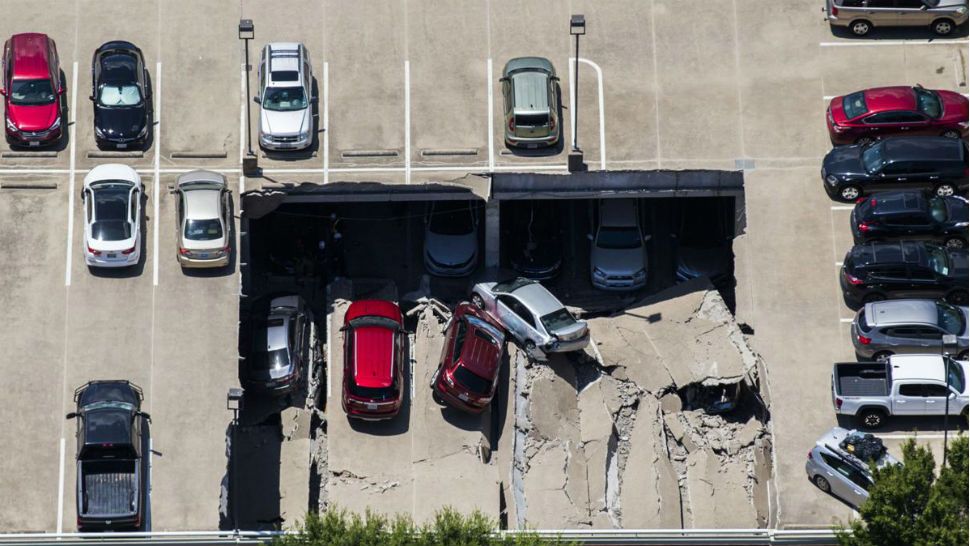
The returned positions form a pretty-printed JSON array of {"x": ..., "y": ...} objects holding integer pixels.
[
  {"x": 885, "y": 328},
  {"x": 532, "y": 315}
]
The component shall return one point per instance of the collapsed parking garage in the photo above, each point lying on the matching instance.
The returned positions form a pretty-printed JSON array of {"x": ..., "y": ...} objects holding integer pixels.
[{"x": 339, "y": 243}]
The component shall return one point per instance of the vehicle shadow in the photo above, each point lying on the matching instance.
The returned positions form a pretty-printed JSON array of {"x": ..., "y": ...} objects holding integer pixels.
[
  {"x": 252, "y": 480},
  {"x": 133, "y": 270},
  {"x": 901, "y": 33}
]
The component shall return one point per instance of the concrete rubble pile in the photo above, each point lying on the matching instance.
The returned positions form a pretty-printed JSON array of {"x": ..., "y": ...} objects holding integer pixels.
[{"x": 662, "y": 423}]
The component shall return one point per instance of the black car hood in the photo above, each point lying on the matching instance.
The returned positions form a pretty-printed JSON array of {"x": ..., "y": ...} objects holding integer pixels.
[
  {"x": 124, "y": 122},
  {"x": 958, "y": 261},
  {"x": 844, "y": 160},
  {"x": 712, "y": 262}
]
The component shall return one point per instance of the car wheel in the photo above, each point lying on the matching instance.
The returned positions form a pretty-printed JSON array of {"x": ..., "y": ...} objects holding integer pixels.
[
  {"x": 942, "y": 27},
  {"x": 871, "y": 418},
  {"x": 882, "y": 356},
  {"x": 869, "y": 298},
  {"x": 530, "y": 346},
  {"x": 822, "y": 484},
  {"x": 957, "y": 297},
  {"x": 865, "y": 141},
  {"x": 955, "y": 242},
  {"x": 850, "y": 193},
  {"x": 478, "y": 301},
  {"x": 962, "y": 356},
  {"x": 860, "y": 27},
  {"x": 951, "y": 134},
  {"x": 945, "y": 190}
]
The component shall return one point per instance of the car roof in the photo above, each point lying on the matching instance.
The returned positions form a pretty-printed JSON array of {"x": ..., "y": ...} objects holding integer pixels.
[
  {"x": 909, "y": 367},
  {"x": 924, "y": 148},
  {"x": 900, "y": 252},
  {"x": 889, "y": 203},
  {"x": 373, "y": 344},
  {"x": 882, "y": 99},
  {"x": 284, "y": 57},
  {"x": 479, "y": 355},
  {"x": 30, "y": 56},
  {"x": 530, "y": 92},
  {"x": 539, "y": 300},
  {"x": 618, "y": 212},
  {"x": 203, "y": 204},
  {"x": 896, "y": 312}
]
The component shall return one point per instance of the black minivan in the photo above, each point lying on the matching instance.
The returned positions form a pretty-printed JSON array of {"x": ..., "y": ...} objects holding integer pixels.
[
  {"x": 937, "y": 163},
  {"x": 909, "y": 269}
]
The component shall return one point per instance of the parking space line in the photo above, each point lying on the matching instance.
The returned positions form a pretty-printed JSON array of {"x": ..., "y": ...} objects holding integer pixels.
[
  {"x": 326, "y": 123},
  {"x": 572, "y": 105},
  {"x": 72, "y": 132},
  {"x": 846, "y": 320},
  {"x": 656, "y": 79},
  {"x": 842, "y": 207},
  {"x": 893, "y": 43},
  {"x": 158, "y": 154},
  {"x": 491, "y": 113},
  {"x": 407, "y": 122},
  {"x": 60, "y": 490},
  {"x": 838, "y": 264},
  {"x": 243, "y": 132}
]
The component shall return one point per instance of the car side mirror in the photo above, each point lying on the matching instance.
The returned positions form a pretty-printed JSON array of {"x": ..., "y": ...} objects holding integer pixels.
[
  {"x": 60, "y": 91},
  {"x": 71, "y": 415},
  {"x": 3, "y": 92},
  {"x": 91, "y": 98},
  {"x": 256, "y": 100},
  {"x": 503, "y": 79},
  {"x": 589, "y": 236},
  {"x": 555, "y": 78}
]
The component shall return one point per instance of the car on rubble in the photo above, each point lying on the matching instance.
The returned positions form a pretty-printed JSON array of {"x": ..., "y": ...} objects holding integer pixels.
[
  {"x": 203, "y": 219},
  {"x": 884, "y": 328},
  {"x": 281, "y": 346},
  {"x": 533, "y": 316},
  {"x": 865, "y": 116},
  {"x": 838, "y": 464},
  {"x": 374, "y": 350},
  {"x": 470, "y": 359},
  {"x": 893, "y": 216}
]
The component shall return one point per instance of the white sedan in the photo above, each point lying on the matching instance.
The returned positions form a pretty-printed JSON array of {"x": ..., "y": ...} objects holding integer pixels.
[
  {"x": 112, "y": 199},
  {"x": 203, "y": 220}
]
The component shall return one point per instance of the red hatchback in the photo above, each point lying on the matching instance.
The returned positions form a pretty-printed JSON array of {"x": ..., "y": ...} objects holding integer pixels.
[
  {"x": 864, "y": 116},
  {"x": 374, "y": 340},
  {"x": 470, "y": 360},
  {"x": 32, "y": 90}
]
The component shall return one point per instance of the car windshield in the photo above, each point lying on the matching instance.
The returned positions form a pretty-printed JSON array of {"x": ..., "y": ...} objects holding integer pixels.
[
  {"x": 949, "y": 318},
  {"x": 284, "y": 99},
  {"x": 557, "y": 320},
  {"x": 203, "y": 230},
  {"x": 939, "y": 261},
  {"x": 872, "y": 158},
  {"x": 119, "y": 95},
  {"x": 854, "y": 105},
  {"x": 31, "y": 92},
  {"x": 451, "y": 219},
  {"x": 472, "y": 382},
  {"x": 275, "y": 359},
  {"x": 938, "y": 209},
  {"x": 531, "y": 120},
  {"x": 618, "y": 237},
  {"x": 928, "y": 102},
  {"x": 955, "y": 377}
]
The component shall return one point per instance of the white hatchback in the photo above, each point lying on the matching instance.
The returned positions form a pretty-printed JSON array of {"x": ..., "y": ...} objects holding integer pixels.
[{"x": 112, "y": 199}]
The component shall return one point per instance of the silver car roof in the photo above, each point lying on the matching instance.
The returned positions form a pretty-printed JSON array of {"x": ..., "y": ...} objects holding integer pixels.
[
  {"x": 894, "y": 312},
  {"x": 538, "y": 299}
]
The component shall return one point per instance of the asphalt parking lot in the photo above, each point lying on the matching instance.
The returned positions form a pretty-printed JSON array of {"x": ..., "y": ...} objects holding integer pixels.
[{"x": 408, "y": 92}]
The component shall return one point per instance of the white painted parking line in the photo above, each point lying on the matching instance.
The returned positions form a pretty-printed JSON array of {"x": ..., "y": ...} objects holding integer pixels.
[
  {"x": 491, "y": 120},
  {"x": 60, "y": 489},
  {"x": 326, "y": 124},
  {"x": 243, "y": 130},
  {"x": 914, "y": 435},
  {"x": 846, "y": 320},
  {"x": 72, "y": 132},
  {"x": 572, "y": 105},
  {"x": 158, "y": 154},
  {"x": 838, "y": 264},
  {"x": 893, "y": 43},
  {"x": 842, "y": 207},
  {"x": 407, "y": 122},
  {"x": 656, "y": 79}
]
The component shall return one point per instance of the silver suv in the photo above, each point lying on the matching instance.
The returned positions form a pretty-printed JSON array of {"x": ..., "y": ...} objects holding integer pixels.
[
  {"x": 882, "y": 329},
  {"x": 860, "y": 16},
  {"x": 285, "y": 96},
  {"x": 531, "y": 93},
  {"x": 617, "y": 255},
  {"x": 839, "y": 464}
]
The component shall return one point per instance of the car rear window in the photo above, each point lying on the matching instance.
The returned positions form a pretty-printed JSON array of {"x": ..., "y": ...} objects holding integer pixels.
[
  {"x": 376, "y": 394},
  {"x": 472, "y": 382},
  {"x": 558, "y": 319},
  {"x": 203, "y": 230},
  {"x": 531, "y": 120},
  {"x": 111, "y": 230},
  {"x": 863, "y": 324},
  {"x": 854, "y": 105},
  {"x": 277, "y": 358},
  {"x": 286, "y": 76}
]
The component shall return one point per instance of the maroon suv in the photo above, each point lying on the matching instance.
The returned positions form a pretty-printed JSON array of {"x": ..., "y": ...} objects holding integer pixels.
[
  {"x": 31, "y": 90},
  {"x": 864, "y": 116},
  {"x": 470, "y": 360}
]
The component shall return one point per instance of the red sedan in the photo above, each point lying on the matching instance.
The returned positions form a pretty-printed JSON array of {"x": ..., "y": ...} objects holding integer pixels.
[
  {"x": 32, "y": 90},
  {"x": 374, "y": 339},
  {"x": 468, "y": 372},
  {"x": 864, "y": 116}
]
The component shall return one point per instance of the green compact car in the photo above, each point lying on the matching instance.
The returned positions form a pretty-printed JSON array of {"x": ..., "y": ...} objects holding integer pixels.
[{"x": 531, "y": 92}]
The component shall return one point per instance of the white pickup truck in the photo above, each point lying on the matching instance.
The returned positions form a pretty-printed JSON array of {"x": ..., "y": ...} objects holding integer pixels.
[{"x": 901, "y": 385}]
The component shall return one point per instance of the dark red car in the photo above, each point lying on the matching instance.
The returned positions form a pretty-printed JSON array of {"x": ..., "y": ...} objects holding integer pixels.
[
  {"x": 865, "y": 116},
  {"x": 470, "y": 360},
  {"x": 32, "y": 90},
  {"x": 374, "y": 339}
]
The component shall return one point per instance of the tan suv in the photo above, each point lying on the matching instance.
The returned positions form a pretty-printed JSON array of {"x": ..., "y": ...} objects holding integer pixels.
[{"x": 860, "y": 16}]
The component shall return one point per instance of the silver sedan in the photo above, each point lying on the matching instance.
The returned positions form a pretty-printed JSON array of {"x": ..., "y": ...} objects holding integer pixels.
[{"x": 203, "y": 219}]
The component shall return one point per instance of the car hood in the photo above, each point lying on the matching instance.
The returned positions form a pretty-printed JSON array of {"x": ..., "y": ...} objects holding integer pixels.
[
  {"x": 450, "y": 249},
  {"x": 695, "y": 261},
  {"x": 844, "y": 160},
  {"x": 126, "y": 122},
  {"x": 955, "y": 106},
  {"x": 33, "y": 118},
  {"x": 618, "y": 261},
  {"x": 284, "y": 123}
]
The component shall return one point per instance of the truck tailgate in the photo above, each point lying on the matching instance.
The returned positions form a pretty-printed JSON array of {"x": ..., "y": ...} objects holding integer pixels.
[{"x": 109, "y": 490}]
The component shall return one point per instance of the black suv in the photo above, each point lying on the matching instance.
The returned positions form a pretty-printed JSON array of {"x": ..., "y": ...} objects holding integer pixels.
[
  {"x": 893, "y": 216},
  {"x": 909, "y": 269},
  {"x": 938, "y": 163}
]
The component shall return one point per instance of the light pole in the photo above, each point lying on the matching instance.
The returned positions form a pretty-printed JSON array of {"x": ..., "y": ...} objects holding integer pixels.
[
  {"x": 949, "y": 342},
  {"x": 234, "y": 403},
  {"x": 577, "y": 28},
  {"x": 246, "y": 33}
]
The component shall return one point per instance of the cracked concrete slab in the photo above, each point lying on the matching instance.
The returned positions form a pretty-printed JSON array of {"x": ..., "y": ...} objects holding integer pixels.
[
  {"x": 717, "y": 492},
  {"x": 649, "y": 493},
  {"x": 553, "y": 408}
]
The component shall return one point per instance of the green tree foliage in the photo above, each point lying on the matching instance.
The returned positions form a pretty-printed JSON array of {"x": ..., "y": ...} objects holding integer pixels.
[
  {"x": 337, "y": 527},
  {"x": 910, "y": 506}
]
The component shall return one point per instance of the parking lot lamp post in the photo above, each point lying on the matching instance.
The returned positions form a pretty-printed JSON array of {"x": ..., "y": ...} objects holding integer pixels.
[
  {"x": 949, "y": 343},
  {"x": 577, "y": 28},
  {"x": 234, "y": 402},
  {"x": 246, "y": 33}
]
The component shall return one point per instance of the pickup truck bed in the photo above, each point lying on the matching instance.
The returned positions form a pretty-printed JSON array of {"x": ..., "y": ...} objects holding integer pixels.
[
  {"x": 862, "y": 379},
  {"x": 110, "y": 488}
]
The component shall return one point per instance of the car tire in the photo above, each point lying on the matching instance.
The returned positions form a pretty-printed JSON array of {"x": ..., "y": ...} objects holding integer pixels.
[
  {"x": 530, "y": 346},
  {"x": 871, "y": 418},
  {"x": 477, "y": 301},
  {"x": 942, "y": 27},
  {"x": 955, "y": 242},
  {"x": 874, "y": 297},
  {"x": 962, "y": 356},
  {"x": 952, "y": 134},
  {"x": 822, "y": 484},
  {"x": 882, "y": 356},
  {"x": 860, "y": 27},
  {"x": 957, "y": 297},
  {"x": 864, "y": 141},
  {"x": 945, "y": 190},
  {"x": 850, "y": 192}
]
